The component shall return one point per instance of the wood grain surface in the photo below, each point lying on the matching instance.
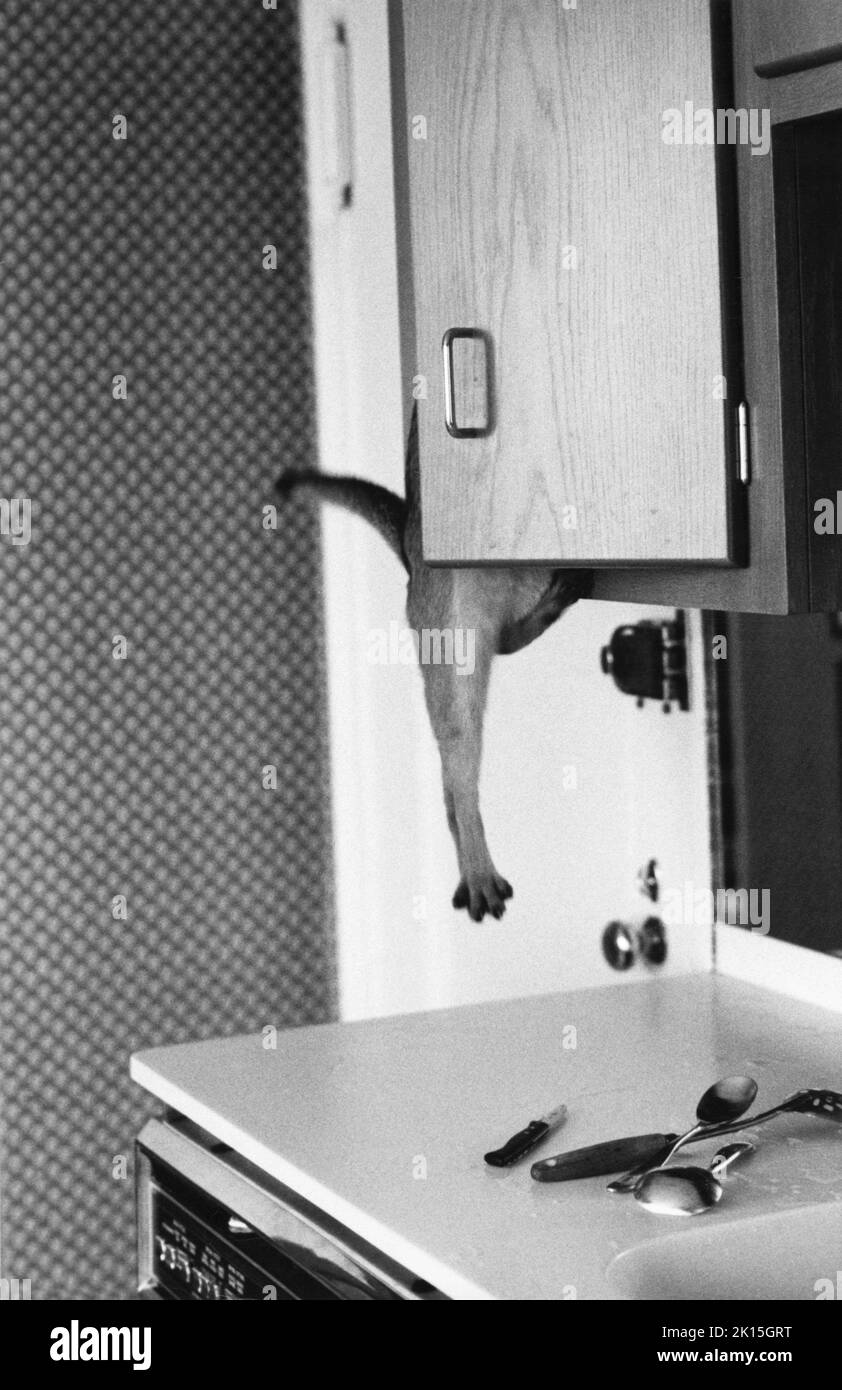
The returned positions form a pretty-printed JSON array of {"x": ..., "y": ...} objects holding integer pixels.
[{"x": 547, "y": 210}]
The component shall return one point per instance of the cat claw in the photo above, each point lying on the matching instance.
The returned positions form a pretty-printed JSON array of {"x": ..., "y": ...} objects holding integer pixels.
[
  {"x": 484, "y": 893},
  {"x": 460, "y": 897}
]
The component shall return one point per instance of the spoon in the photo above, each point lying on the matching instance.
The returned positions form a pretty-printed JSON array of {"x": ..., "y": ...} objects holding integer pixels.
[
  {"x": 721, "y": 1103},
  {"x": 688, "y": 1191},
  {"x": 811, "y": 1101}
]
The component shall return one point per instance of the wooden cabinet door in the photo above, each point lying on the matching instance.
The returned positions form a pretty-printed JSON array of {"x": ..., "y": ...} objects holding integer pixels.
[{"x": 581, "y": 251}]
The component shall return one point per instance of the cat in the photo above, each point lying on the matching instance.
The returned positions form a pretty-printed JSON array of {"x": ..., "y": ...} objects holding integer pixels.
[{"x": 505, "y": 609}]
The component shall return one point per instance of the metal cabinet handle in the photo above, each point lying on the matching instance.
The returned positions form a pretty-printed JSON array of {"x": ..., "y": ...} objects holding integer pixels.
[{"x": 454, "y": 429}]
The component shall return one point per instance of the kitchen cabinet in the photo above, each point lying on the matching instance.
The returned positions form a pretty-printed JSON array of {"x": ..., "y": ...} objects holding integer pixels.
[
  {"x": 597, "y": 309},
  {"x": 550, "y": 217}
]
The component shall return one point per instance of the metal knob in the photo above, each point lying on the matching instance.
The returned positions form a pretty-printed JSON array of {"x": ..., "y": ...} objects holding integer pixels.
[
  {"x": 238, "y": 1227},
  {"x": 618, "y": 946},
  {"x": 653, "y": 941},
  {"x": 623, "y": 944}
]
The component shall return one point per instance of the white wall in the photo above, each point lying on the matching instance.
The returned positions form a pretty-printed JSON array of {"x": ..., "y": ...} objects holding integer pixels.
[{"x": 571, "y": 855}]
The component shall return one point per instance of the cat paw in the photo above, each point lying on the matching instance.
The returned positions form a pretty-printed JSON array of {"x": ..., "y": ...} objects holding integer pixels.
[{"x": 481, "y": 893}]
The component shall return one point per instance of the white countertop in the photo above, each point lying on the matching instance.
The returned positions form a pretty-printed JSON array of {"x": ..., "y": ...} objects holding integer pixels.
[{"x": 348, "y": 1114}]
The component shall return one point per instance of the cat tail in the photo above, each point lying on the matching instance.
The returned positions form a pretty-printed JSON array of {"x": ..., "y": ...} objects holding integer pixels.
[{"x": 383, "y": 509}]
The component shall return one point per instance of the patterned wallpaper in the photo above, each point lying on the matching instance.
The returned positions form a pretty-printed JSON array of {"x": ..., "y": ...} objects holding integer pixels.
[{"x": 154, "y": 379}]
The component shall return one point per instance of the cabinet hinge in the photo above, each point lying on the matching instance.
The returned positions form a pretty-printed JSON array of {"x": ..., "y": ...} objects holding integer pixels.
[
  {"x": 338, "y": 117},
  {"x": 743, "y": 444}
]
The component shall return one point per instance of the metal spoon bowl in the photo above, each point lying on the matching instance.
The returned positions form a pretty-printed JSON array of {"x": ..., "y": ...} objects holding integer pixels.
[
  {"x": 688, "y": 1191},
  {"x": 726, "y": 1100},
  {"x": 721, "y": 1103},
  {"x": 678, "y": 1191}
]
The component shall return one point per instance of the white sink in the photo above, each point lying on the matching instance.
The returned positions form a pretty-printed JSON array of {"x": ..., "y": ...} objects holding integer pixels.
[{"x": 783, "y": 1254}]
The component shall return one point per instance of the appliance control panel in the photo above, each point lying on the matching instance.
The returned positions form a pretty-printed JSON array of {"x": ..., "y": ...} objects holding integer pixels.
[
  {"x": 213, "y": 1227},
  {"x": 191, "y": 1260}
]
